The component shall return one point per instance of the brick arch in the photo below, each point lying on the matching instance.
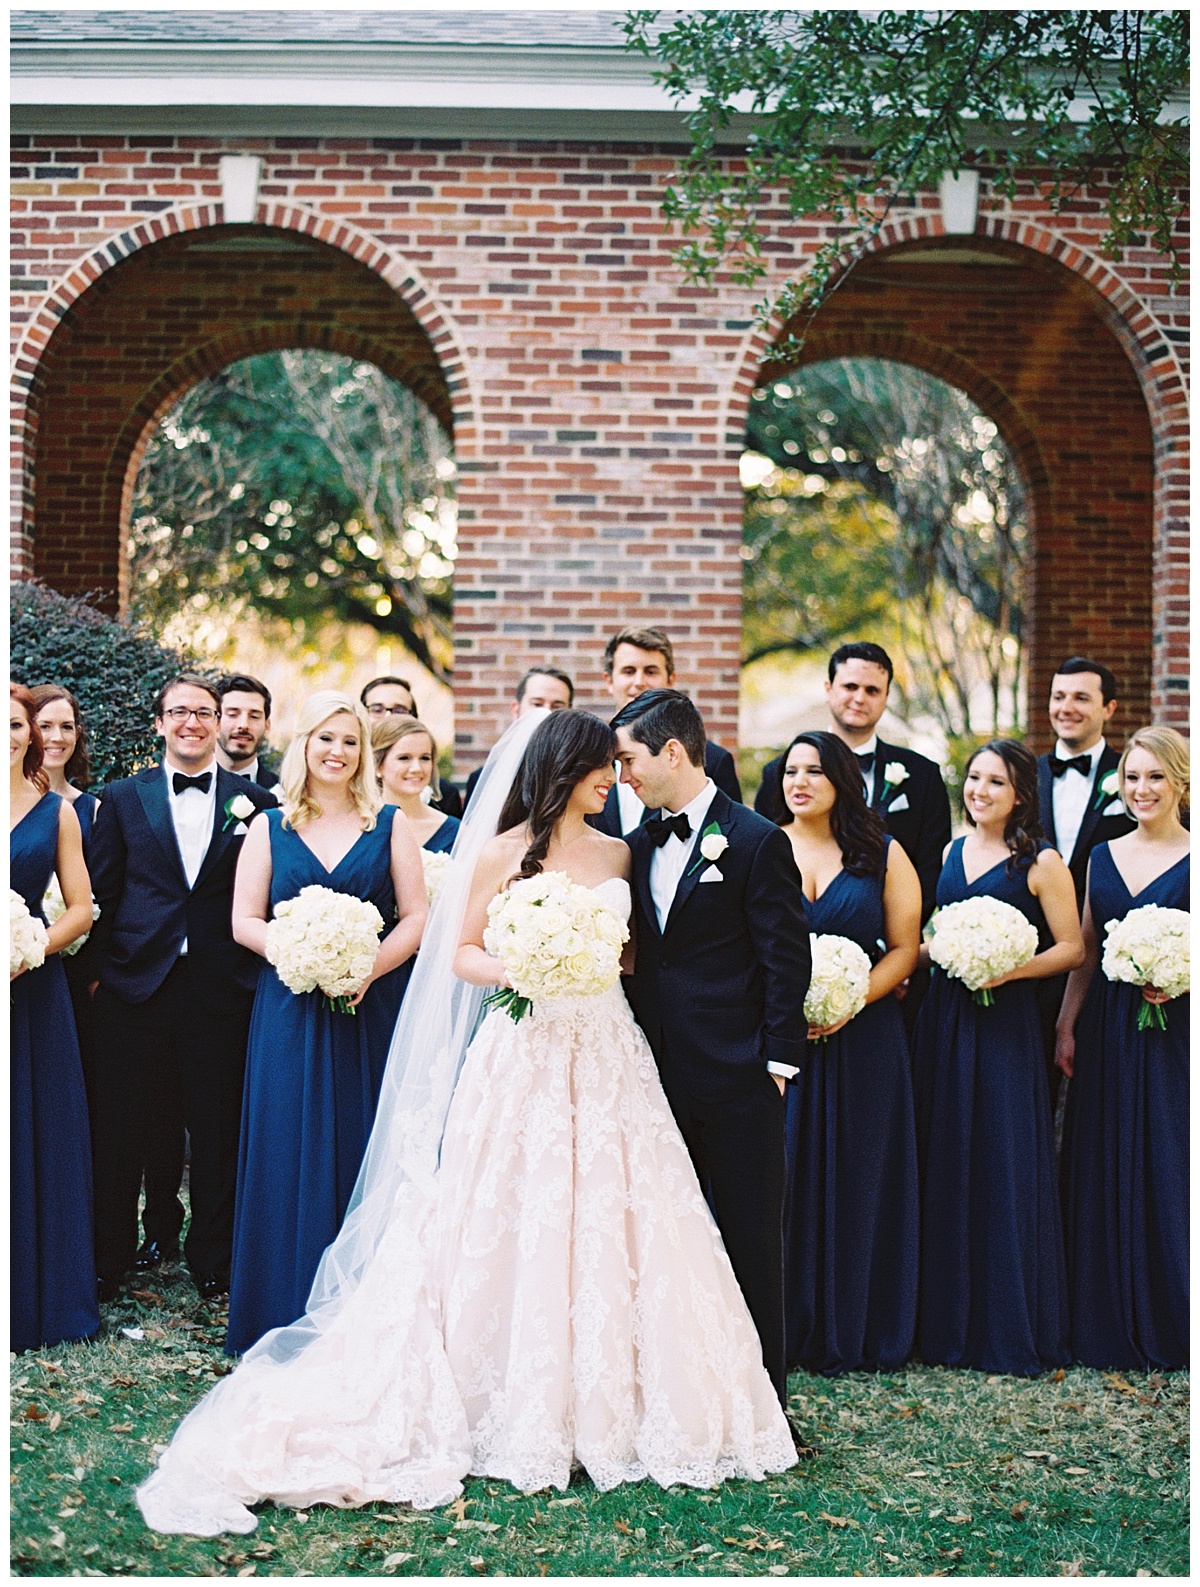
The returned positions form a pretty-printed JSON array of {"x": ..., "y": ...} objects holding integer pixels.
[
  {"x": 422, "y": 348},
  {"x": 1023, "y": 339}
]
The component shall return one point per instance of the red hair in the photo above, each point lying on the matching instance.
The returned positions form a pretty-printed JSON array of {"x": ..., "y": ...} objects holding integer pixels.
[{"x": 31, "y": 766}]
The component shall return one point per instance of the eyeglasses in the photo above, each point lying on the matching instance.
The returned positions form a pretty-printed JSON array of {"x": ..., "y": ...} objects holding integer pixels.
[
  {"x": 180, "y": 713},
  {"x": 389, "y": 710}
]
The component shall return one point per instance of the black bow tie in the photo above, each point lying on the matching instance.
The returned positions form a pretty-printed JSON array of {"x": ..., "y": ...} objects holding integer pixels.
[
  {"x": 1082, "y": 764},
  {"x": 867, "y": 761},
  {"x": 180, "y": 781},
  {"x": 662, "y": 829}
]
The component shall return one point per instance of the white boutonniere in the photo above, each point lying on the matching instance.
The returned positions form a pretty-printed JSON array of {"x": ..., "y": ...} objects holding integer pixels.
[
  {"x": 1107, "y": 788},
  {"x": 240, "y": 807},
  {"x": 894, "y": 773},
  {"x": 713, "y": 844}
]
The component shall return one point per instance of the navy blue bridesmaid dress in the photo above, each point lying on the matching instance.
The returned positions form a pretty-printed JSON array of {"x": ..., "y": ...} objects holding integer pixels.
[
  {"x": 312, "y": 1085},
  {"x": 52, "y": 1265},
  {"x": 993, "y": 1279},
  {"x": 1125, "y": 1155},
  {"x": 851, "y": 1215}
]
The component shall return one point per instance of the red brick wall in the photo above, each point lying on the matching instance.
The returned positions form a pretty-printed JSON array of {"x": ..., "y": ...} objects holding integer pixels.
[{"x": 598, "y": 402}]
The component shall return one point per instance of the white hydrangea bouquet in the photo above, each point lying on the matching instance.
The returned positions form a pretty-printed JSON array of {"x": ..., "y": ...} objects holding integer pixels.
[
  {"x": 838, "y": 989},
  {"x": 54, "y": 907},
  {"x": 1150, "y": 947},
  {"x": 436, "y": 868},
  {"x": 978, "y": 939},
  {"x": 26, "y": 936},
  {"x": 555, "y": 939},
  {"x": 326, "y": 941}
]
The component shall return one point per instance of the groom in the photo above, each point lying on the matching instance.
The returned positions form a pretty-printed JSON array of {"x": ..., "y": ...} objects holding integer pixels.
[{"x": 722, "y": 969}]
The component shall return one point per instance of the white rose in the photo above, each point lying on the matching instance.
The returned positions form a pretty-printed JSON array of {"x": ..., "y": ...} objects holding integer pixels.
[
  {"x": 241, "y": 807},
  {"x": 1108, "y": 784},
  {"x": 894, "y": 773},
  {"x": 713, "y": 846}
]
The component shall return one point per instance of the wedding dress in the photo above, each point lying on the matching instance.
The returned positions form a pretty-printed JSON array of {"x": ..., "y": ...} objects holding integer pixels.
[{"x": 554, "y": 1293}]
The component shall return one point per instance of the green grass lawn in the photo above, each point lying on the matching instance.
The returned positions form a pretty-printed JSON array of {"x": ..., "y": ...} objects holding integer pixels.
[{"x": 922, "y": 1472}]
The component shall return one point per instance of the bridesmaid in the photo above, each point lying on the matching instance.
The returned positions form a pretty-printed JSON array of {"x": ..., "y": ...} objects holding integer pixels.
[
  {"x": 1125, "y": 1139},
  {"x": 52, "y": 1267},
  {"x": 313, "y": 1075},
  {"x": 65, "y": 762},
  {"x": 851, "y": 1217},
  {"x": 406, "y": 762},
  {"x": 993, "y": 1282}
]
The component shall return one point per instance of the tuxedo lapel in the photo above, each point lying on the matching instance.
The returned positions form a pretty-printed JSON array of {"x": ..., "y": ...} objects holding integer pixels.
[
  {"x": 226, "y": 788},
  {"x": 643, "y": 853},
  {"x": 717, "y": 811},
  {"x": 1046, "y": 800},
  {"x": 152, "y": 791},
  {"x": 1109, "y": 760},
  {"x": 878, "y": 791}
]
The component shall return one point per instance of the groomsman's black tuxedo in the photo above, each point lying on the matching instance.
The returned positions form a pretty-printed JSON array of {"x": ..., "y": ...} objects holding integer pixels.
[
  {"x": 264, "y": 777},
  {"x": 720, "y": 993},
  {"x": 921, "y": 826},
  {"x": 170, "y": 1027},
  {"x": 1096, "y": 827},
  {"x": 719, "y": 764},
  {"x": 451, "y": 802}
]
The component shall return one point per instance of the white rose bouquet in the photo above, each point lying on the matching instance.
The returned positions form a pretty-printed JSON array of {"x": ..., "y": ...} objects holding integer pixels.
[
  {"x": 555, "y": 939},
  {"x": 54, "y": 907},
  {"x": 324, "y": 940},
  {"x": 978, "y": 939},
  {"x": 838, "y": 989},
  {"x": 1150, "y": 947},
  {"x": 436, "y": 868},
  {"x": 26, "y": 936}
]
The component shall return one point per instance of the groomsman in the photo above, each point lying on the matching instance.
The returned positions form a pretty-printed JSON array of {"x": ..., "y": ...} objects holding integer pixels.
[
  {"x": 244, "y": 723},
  {"x": 1079, "y": 801},
  {"x": 392, "y": 696},
  {"x": 541, "y": 689},
  {"x": 905, "y": 788},
  {"x": 636, "y": 660},
  {"x": 173, "y": 991},
  {"x": 722, "y": 969}
]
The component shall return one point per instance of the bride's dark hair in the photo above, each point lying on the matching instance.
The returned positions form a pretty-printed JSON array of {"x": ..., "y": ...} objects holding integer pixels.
[{"x": 563, "y": 750}]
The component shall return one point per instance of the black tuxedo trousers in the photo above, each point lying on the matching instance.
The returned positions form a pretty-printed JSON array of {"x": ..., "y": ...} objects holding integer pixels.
[{"x": 176, "y": 1056}]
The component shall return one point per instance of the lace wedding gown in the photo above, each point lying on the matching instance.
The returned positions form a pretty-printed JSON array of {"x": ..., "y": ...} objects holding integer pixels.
[{"x": 566, "y": 1299}]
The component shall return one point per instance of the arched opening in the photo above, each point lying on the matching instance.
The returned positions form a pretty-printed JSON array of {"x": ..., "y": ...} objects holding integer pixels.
[
  {"x": 148, "y": 329},
  {"x": 1032, "y": 345},
  {"x": 882, "y": 502},
  {"x": 294, "y": 517}
]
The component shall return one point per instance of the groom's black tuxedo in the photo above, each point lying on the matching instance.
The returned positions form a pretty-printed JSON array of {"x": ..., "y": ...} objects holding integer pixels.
[
  {"x": 170, "y": 1026},
  {"x": 720, "y": 993}
]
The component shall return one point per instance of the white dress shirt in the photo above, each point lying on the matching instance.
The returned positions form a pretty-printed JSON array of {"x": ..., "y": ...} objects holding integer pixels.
[
  {"x": 871, "y": 747},
  {"x": 1070, "y": 795},
  {"x": 192, "y": 815},
  {"x": 668, "y": 862},
  {"x": 629, "y": 807}
]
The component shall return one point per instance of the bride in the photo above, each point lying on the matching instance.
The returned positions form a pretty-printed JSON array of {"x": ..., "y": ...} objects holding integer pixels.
[{"x": 528, "y": 1277}]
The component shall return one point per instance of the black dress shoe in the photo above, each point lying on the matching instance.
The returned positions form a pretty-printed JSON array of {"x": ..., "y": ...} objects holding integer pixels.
[
  {"x": 153, "y": 1254},
  {"x": 107, "y": 1288},
  {"x": 212, "y": 1287},
  {"x": 804, "y": 1450}
]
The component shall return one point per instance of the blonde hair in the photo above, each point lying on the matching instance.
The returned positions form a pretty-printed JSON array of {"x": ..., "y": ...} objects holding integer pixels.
[
  {"x": 298, "y": 803},
  {"x": 389, "y": 732},
  {"x": 1172, "y": 752}
]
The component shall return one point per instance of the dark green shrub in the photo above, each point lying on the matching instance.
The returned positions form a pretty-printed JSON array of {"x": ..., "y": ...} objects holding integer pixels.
[{"x": 114, "y": 669}]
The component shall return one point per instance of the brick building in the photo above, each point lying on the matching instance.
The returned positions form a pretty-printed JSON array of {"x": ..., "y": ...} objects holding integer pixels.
[{"x": 471, "y": 202}]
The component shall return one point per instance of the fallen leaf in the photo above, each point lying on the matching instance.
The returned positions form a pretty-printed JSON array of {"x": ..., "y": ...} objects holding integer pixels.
[
  {"x": 122, "y": 1382},
  {"x": 623, "y": 1527},
  {"x": 914, "y": 1474},
  {"x": 392, "y": 1560},
  {"x": 892, "y": 1559},
  {"x": 701, "y": 1548},
  {"x": 148, "y": 1295},
  {"x": 778, "y": 1570},
  {"x": 1073, "y": 1567},
  {"x": 479, "y": 1526},
  {"x": 55, "y": 1422},
  {"x": 570, "y": 1499},
  {"x": 1075, "y": 1471},
  {"x": 134, "y": 1333},
  {"x": 458, "y": 1509},
  {"x": 1036, "y": 1454},
  {"x": 952, "y": 1553},
  {"x": 33, "y": 1413},
  {"x": 958, "y": 1520},
  {"x": 837, "y": 1520},
  {"x": 1020, "y": 1510},
  {"x": 58, "y": 1538},
  {"x": 1116, "y": 1381},
  {"x": 121, "y": 1427},
  {"x": 1057, "y": 1377},
  {"x": 477, "y": 1564},
  {"x": 248, "y": 1570}
]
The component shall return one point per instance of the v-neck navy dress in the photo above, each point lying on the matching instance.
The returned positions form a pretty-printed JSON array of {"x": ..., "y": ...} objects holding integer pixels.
[
  {"x": 993, "y": 1279},
  {"x": 52, "y": 1269},
  {"x": 312, "y": 1085},
  {"x": 1125, "y": 1155},
  {"x": 851, "y": 1218}
]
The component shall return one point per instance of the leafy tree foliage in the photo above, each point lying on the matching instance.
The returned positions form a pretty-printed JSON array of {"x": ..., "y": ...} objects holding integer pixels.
[
  {"x": 858, "y": 108},
  {"x": 305, "y": 485},
  {"x": 883, "y": 500},
  {"x": 114, "y": 669}
]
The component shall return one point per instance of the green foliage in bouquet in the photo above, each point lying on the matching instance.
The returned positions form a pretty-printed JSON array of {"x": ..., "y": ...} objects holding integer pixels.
[{"x": 113, "y": 668}]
